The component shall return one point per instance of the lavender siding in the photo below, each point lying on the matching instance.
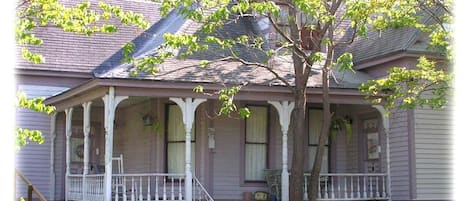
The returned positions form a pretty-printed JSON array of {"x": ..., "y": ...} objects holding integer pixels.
[
  {"x": 433, "y": 153},
  {"x": 59, "y": 157},
  {"x": 399, "y": 148},
  {"x": 34, "y": 159}
]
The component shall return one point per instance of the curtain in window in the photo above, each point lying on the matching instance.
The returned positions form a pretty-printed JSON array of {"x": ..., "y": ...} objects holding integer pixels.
[
  {"x": 314, "y": 130},
  {"x": 256, "y": 144},
  {"x": 176, "y": 141}
]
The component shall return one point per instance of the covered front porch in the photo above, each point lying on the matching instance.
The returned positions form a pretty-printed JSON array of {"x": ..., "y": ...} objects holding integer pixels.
[{"x": 154, "y": 142}]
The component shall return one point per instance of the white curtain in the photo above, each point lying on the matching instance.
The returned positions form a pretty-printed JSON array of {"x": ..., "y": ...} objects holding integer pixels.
[
  {"x": 256, "y": 144},
  {"x": 176, "y": 141},
  {"x": 314, "y": 130}
]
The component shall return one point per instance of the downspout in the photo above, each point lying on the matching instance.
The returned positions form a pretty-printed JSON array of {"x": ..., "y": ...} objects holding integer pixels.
[
  {"x": 385, "y": 119},
  {"x": 53, "y": 134}
]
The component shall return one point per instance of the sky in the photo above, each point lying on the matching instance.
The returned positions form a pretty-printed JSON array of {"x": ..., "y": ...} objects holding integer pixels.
[{"x": 7, "y": 99}]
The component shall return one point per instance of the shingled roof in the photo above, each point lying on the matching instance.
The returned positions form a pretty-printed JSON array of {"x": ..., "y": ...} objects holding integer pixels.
[
  {"x": 70, "y": 52},
  {"x": 392, "y": 40},
  {"x": 100, "y": 54}
]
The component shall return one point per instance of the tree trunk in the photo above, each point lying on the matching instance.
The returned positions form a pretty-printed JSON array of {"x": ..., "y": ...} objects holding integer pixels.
[
  {"x": 313, "y": 187},
  {"x": 297, "y": 168}
]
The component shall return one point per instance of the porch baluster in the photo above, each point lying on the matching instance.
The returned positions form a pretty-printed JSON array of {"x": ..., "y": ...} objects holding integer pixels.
[
  {"x": 364, "y": 188},
  {"x": 140, "y": 195},
  {"x": 164, "y": 189},
  {"x": 116, "y": 197},
  {"x": 172, "y": 188},
  {"x": 326, "y": 193},
  {"x": 377, "y": 187},
  {"x": 305, "y": 189},
  {"x": 332, "y": 188},
  {"x": 180, "y": 189},
  {"x": 358, "y": 187},
  {"x": 339, "y": 194},
  {"x": 124, "y": 190},
  {"x": 384, "y": 186},
  {"x": 132, "y": 196},
  {"x": 351, "y": 186},
  {"x": 371, "y": 186},
  {"x": 156, "y": 188},
  {"x": 148, "y": 189},
  {"x": 345, "y": 187}
]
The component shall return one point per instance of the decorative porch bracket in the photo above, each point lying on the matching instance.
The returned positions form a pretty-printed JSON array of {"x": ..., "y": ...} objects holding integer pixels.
[
  {"x": 385, "y": 119},
  {"x": 68, "y": 134},
  {"x": 284, "y": 110},
  {"x": 110, "y": 103},
  {"x": 188, "y": 108}
]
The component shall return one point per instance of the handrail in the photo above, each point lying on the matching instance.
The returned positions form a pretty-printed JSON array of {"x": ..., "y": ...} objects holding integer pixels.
[
  {"x": 31, "y": 188},
  {"x": 203, "y": 189}
]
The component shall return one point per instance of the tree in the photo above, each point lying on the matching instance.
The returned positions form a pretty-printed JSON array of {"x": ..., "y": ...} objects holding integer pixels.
[
  {"x": 80, "y": 19},
  {"x": 310, "y": 31}
]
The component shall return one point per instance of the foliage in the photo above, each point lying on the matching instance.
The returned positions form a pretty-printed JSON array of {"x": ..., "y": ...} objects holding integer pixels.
[
  {"x": 23, "y": 136},
  {"x": 405, "y": 88}
]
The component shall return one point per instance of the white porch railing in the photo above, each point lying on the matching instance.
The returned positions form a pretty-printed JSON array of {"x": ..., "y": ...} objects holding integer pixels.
[
  {"x": 339, "y": 186},
  {"x": 135, "y": 187},
  {"x": 93, "y": 185}
]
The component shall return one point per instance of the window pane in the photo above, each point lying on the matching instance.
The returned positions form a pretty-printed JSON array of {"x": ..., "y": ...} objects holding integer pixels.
[
  {"x": 312, "y": 156},
  {"x": 176, "y": 157},
  {"x": 176, "y": 129},
  {"x": 255, "y": 161},
  {"x": 315, "y": 123},
  {"x": 256, "y": 125}
]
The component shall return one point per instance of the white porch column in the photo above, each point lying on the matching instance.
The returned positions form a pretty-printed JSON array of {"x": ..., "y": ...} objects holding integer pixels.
[
  {"x": 110, "y": 103},
  {"x": 68, "y": 133},
  {"x": 385, "y": 119},
  {"x": 188, "y": 108},
  {"x": 86, "y": 135},
  {"x": 284, "y": 110},
  {"x": 53, "y": 134}
]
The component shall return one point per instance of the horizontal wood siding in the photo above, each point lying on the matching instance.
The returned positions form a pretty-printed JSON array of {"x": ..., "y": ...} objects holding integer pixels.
[
  {"x": 34, "y": 159},
  {"x": 59, "y": 157},
  {"x": 133, "y": 139},
  {"x": 227, "y": 158},
  {"x": 433, "y": 153},
  {"x": 399, "y": 153}
]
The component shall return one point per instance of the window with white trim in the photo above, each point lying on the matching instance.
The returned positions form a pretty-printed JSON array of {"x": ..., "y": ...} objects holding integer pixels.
[
  {"x": 256, "y": 144},
  {"x": 175, "y": 141}
]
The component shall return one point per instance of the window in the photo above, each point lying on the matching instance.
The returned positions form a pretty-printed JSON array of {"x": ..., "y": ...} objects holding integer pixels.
[
  {"x": 314, "y": 130},
  {"x": 256, "y": 144},
  {"x": 175, "y": 144}
]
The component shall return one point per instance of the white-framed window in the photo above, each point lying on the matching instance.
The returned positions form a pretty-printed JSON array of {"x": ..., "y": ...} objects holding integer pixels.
[
  {"x": 175, "y": 141},
  {"x": 256, "y": 144},
  {"x": 314, "y": 130}
]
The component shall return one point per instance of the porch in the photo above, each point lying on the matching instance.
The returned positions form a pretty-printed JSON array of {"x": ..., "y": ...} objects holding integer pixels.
[{"x": 204, "y": 148}]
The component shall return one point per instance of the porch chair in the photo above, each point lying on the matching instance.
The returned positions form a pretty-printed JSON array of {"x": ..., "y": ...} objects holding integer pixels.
[{"x": 119, "y": 180}]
